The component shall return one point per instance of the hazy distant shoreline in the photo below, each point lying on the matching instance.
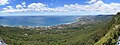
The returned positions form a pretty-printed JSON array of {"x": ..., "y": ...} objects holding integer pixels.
[
  {"x": 58, "y": 26},
  {"x": 36, "y": 26},
  {"x": 36, "y": 20},
  {"x": 71, "y": 23}
]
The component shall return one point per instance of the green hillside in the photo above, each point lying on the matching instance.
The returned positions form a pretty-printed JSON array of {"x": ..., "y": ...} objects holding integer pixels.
[{"x": 112, "y": 35}]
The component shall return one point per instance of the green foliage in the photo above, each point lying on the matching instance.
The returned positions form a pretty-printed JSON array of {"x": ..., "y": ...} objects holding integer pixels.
[{"x": 112, "y": 35}]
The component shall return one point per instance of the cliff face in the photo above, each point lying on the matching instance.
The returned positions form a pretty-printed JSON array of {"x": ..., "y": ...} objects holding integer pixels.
[{"x": 112, "y": 35}]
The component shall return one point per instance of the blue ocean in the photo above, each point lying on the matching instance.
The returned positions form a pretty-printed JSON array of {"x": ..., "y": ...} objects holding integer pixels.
[{"x": 36, "y": 20}]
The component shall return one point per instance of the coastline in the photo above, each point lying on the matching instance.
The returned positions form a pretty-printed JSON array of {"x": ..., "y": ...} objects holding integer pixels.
[
  {"x": 77, "y": 22},
  {"x": 59, "y": 26}
]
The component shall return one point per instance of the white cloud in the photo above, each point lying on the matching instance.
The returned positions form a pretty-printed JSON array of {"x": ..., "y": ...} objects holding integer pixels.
[
  {"x": 92, "y": 1},
  {"x": 16, "y": 10},
  {"x": 32, "y": 7},
  {"x": 37, "y": 6},
  {"x": 98, "y": 7},
  {"x": 19, "y": 6},
  {"x": 4, "y": 2},
  {"x": 8, "y": 8},
  {"x": 24, "y": 4}
]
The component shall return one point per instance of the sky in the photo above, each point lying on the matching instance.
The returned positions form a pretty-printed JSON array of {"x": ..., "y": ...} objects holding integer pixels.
[{"x": 58, "y": 7}]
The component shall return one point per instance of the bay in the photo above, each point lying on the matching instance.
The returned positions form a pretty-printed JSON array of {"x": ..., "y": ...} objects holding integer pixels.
[{"x": 36, "y": 20}]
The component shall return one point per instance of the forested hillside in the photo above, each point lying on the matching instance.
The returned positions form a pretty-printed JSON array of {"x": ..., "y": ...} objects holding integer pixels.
[{"x": 113, "y": 33}]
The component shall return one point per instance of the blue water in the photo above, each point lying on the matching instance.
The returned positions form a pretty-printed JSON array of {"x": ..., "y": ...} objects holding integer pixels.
[{"x": 36, "y": 20}]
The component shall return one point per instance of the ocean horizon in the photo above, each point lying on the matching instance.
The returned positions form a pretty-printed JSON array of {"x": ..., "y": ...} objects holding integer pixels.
[{"x": 36, "y": 20}]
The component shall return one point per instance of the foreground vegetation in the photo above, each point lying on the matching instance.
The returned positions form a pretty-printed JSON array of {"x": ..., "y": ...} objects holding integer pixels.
[
  {"x": 112, "y": 35},
  {"x": 86, "y": 34}
]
